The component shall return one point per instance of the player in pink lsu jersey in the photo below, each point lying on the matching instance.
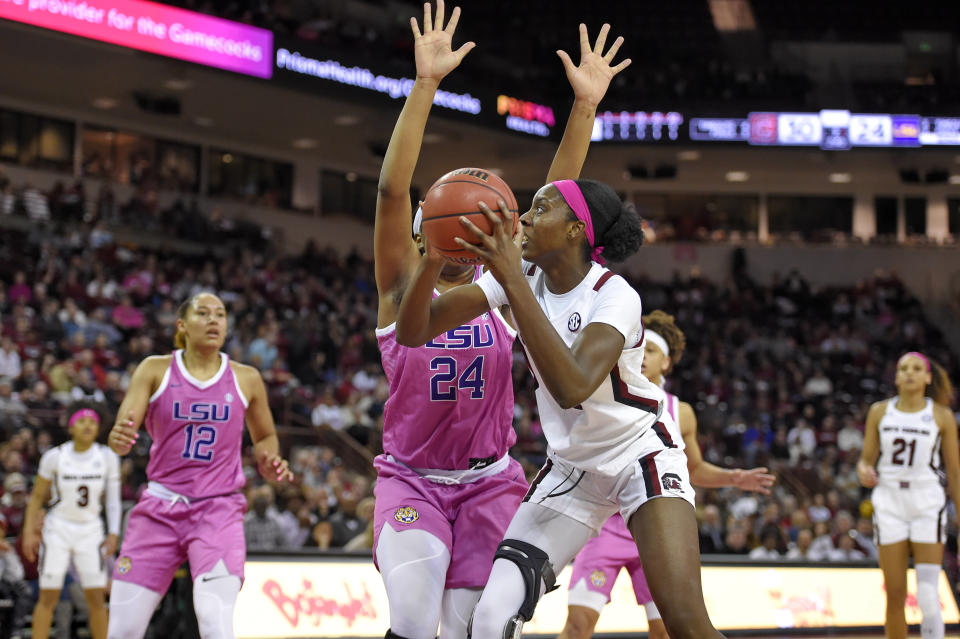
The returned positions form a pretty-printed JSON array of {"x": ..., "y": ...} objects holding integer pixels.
[
  {"x": 194, "y": 404},
  {"x": 596, "y": 567},
  {"x": 446, "y": 486}
]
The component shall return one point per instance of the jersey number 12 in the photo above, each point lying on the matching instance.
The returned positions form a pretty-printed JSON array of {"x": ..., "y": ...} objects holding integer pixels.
[{"x": 200, "y": 439}]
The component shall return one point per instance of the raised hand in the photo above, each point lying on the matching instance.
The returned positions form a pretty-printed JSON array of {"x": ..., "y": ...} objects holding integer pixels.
[
  {"x": 592, "y": 77},
  {"x": 433, "y": 48}
]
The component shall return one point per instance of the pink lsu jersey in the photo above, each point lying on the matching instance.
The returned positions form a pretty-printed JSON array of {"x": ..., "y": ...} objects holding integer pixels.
[
  {"x": 451, "y": 400},
  {"x": 197, "y": 431},
  {"x": 615, "y": 526}
]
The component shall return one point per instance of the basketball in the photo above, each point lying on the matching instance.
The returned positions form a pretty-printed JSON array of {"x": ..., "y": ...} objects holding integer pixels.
[{"x": 457, "y": 194}]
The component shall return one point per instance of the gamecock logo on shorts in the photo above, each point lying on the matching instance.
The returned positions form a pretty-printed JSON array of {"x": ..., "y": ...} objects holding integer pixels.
[
  {"x": 124, "y": 564},
  {"x": 671, "y": 481},
  {"x": 598, "y": 578},
  {"x": 406, "y": 514}
]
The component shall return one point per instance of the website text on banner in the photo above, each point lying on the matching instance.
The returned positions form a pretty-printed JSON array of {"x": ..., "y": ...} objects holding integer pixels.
[
  {"x": 346, "y": 599},
  {"x": 154, "y": 28}
]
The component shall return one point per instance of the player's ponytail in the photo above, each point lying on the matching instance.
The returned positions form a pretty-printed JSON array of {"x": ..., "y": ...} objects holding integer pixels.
[
  {"x": 616, "y": 225},
  {"x": 180, "y": 338},
  {"x": 940, "y": 389}
]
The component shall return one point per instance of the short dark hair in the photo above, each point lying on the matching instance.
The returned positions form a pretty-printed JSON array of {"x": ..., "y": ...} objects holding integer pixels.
[{"x": 616, "y": 224}]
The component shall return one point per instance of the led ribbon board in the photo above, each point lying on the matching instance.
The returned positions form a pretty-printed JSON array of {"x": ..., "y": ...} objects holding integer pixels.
[{"x": 154, "y": 28}]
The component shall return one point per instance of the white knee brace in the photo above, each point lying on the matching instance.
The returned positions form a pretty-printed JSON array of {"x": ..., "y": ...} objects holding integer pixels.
[{"x": 928, "y": 577}]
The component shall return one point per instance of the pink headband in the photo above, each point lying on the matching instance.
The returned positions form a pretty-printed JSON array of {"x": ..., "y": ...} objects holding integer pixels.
[
  {"x": 573, "y": 196},
  {"x": 921, "y": 356},
  {"x": 80, "y": 414}
]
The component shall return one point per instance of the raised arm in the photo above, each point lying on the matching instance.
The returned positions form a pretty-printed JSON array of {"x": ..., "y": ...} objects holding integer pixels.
[
  {"x": 589, "y": 82},
  {"x": 866, "y": 466},
  {"x": 422, "y": 317},
  {"x": 703, "y": 473},
  {"x": 146, "y": 379},
  {"x": 395, "y": 251},
  {"x": 266, "y": 446}
]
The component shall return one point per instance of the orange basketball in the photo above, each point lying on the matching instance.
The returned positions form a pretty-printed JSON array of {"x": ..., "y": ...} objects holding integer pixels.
[{"x": 457, "y": 194}]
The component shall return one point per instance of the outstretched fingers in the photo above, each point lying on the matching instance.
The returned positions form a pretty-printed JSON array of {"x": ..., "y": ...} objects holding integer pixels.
[
  {"x": 438, "y": 20},
  {"x": 601, "y": 39},
  {"x": 427, "y": 21},
  {"x": 454, "y": 19},
  {"x": 613, "y": 49},
  {"x": 584, "y": 41}
]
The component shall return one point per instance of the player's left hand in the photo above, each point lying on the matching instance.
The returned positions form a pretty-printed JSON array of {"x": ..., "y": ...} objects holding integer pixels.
[
  {"x": 591, "y": 78},
  {"x": 274, "y": 468},
  {"x": 757, "y": 480},
  {"x": 499, "y": 250},
  {"x": 109, "y": 546}
]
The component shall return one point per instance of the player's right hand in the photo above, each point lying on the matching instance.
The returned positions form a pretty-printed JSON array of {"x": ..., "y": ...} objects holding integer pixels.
[
  {"x": 433, "y": 48},
  {"x": 867, "y": 475},
  {"x": 123, "y": 435},
  {"x": 31, "y": 545}
]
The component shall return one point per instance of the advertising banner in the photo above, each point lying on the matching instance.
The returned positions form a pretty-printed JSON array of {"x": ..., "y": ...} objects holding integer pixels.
[
  {"x": 154, "y": 28},
  {"x": 343, "y": 598}
]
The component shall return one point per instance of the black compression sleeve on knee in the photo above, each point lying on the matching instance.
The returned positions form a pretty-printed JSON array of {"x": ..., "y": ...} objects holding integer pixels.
[{"x": 534, "y": 565}]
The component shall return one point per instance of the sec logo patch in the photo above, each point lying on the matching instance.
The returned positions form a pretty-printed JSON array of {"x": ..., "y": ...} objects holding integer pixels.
[
  {"x": 598, "y": 578},
  {"x": 124, "y": 564},
  {"x": 406, "y": 514},
  {"x": 574, "y": 322}
]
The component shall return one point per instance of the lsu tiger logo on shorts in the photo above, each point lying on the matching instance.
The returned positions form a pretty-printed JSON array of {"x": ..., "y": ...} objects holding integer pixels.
[
  {"x": 598, "y": 578},
  {"x": 124, "y": 564},
  {"x": 406, "y": 514}
]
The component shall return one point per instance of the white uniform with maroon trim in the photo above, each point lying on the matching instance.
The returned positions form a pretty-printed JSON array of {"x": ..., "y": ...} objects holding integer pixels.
[
  {"x": 909, "y": 501},
  {"x": 72, "y": 529},
  {"x": 619, "y": 447}
]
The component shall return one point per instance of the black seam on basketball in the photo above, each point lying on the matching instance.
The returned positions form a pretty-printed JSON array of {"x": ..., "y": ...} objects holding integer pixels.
[
  {"x": 486, "y": 186},
  {"x": 446, "y": 215}
]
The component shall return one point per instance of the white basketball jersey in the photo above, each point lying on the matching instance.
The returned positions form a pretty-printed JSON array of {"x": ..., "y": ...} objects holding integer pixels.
[
  {"x": 78, "y": 480},
  {"x": 909, "y": 445},
  {"x": 602, "y": 434}
]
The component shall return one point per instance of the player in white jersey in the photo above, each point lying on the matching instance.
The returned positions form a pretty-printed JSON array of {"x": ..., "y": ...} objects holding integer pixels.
[
  {"x": 598, "y": 564},
  {"x": 581, "y": 327},
  {"x": 910, "y": 439},
  {"x": 72, "y": 480}
]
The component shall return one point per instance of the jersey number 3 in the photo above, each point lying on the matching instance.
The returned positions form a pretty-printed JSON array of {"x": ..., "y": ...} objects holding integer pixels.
[
  {"x": 200, "y": 439},
  {"x": 445, "y": 383}
]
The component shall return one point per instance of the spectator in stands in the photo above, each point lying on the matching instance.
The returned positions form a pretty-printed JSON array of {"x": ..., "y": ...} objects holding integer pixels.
[
  {"x": 846, "y": 550},
  {"x": 822, "y": 544},
  {"x": 802, "y": 440},
  {"x": 800, "y": 551},
  {"x": 14, "y": 503},
  {"x": 261, "y": 527},
  {"x": 13, "y": 587},
  {"x": 711, "y": 530},
  {"x": 849, "y": 438},
  {"x": 9, "y": 359},
  {"x": 12, "y": 409}
]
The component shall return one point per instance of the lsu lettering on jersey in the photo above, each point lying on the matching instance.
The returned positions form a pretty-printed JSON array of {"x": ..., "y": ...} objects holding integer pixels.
[
  {"x": 79, "y": 481},
  {"x": 197, "y": 430},
  {"x": 603, "y": 434},
  {"x": 909, "y": 445},
  {"x": 451, "y": 400}
]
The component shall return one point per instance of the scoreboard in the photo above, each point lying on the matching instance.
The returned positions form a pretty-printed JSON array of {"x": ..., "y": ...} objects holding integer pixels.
[{"x": 828, "y": 129}]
